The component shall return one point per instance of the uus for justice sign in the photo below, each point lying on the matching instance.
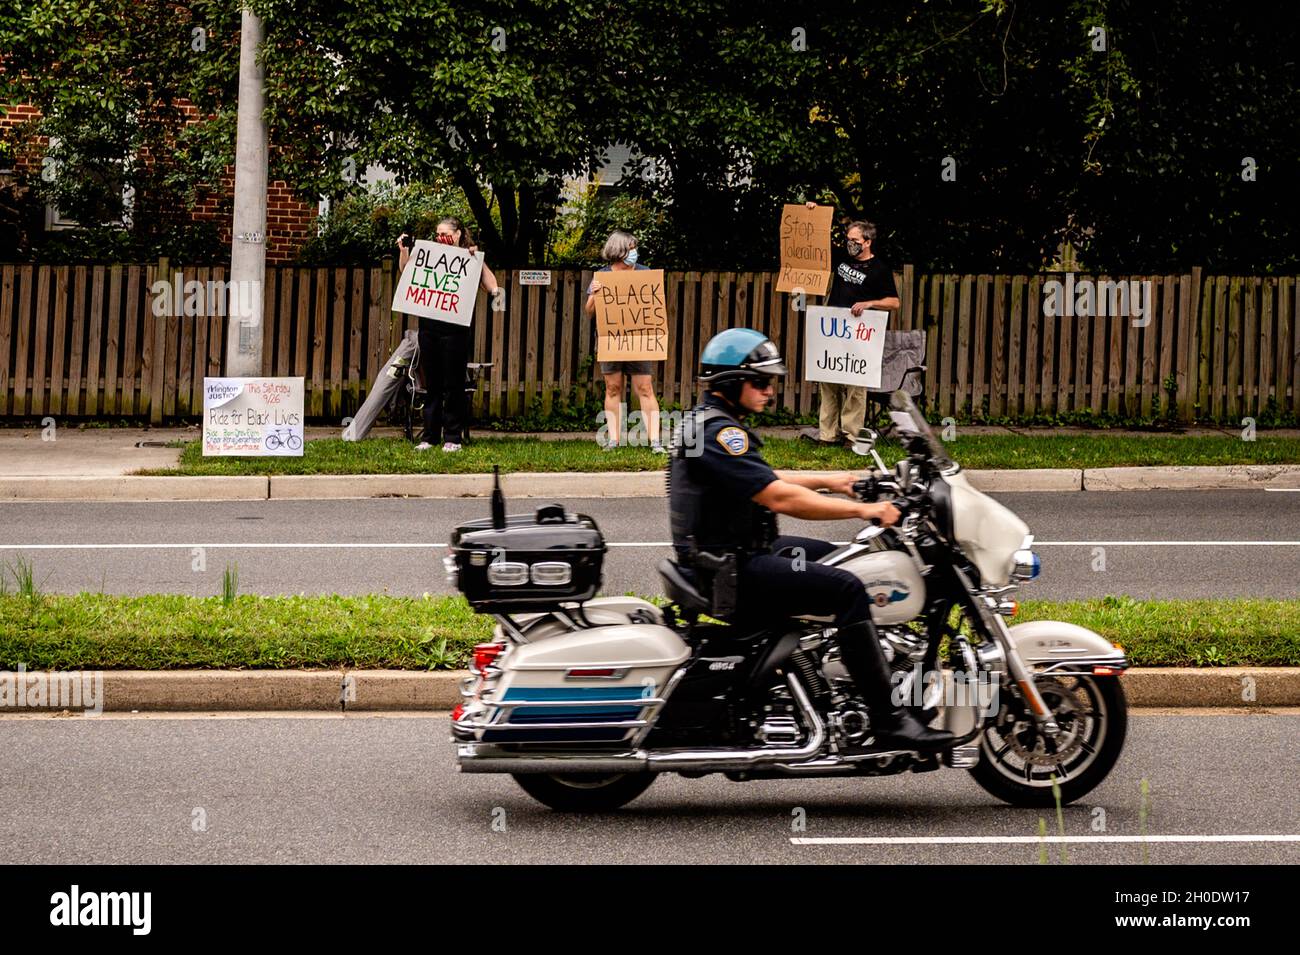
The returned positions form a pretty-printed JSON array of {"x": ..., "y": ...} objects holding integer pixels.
[
  {"x": 843, "y": 348},
  {"x": 631, "y": 316},
  {"x": 439, "y": 282}
]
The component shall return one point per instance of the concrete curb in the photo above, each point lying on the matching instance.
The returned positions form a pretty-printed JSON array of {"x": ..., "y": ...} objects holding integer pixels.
[
  {"x": 541, "y": 484},
  {"x": 522, "y": 484},
  {"x": 134, "y": 488},
  {"x": 182, "y": 690},
  {"x": 1192, "y": 478},
  {"x": 617, "y": 484},
  {"x": 1028, "y": 479},
  {"x": 407, "y": 690},
  {"x": 1214, "y": 686}
]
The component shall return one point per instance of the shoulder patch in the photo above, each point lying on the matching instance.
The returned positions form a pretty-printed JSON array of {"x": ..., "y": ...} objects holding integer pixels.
[{"x": 734, "y": 439}]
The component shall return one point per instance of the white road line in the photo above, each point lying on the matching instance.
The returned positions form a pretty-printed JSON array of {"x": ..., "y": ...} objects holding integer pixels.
[
  {"x": 1284, "y": 490},
  {"x": 262, "y": 546},
  {"x": 1028, "y": 840},
  {"x": 1167, "y": 543},
  {"x": 326, "y": 545}
]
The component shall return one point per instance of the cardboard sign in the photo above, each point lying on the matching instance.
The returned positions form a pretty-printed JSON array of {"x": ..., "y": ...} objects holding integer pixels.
[
  {"x": 439, "y": 282},
  {"x": 842, "y": 348},
  {"x": 534, "y": 276},
  {"x": 631, "y": 317},
  {"x": 805, "y": 250},
  {"x": 253, "y": 416}
]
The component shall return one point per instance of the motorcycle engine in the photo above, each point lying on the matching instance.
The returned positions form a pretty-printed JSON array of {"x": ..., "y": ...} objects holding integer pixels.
[
  {"x": 849, "y": 719},
  {"x": 777, "y": 725}
]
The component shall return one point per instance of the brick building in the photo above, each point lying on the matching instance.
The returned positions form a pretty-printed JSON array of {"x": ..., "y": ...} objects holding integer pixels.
[{"x": 290, "y": 222}]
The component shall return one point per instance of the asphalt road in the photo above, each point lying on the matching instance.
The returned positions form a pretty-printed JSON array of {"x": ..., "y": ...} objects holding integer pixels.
[
  {"x": 1153, "y": 544},
  {"x": 385, "y": 789}
]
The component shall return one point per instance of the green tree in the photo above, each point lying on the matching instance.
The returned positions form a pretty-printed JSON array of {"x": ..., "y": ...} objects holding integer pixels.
[
  {"x": 495, "y": 95},
  {"x": 1198, "y": 156},
  {"x": 112, "y": 78}
]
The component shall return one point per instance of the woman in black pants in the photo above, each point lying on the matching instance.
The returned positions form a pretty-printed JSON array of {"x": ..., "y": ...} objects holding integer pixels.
[{"x": 444, "y": 353}]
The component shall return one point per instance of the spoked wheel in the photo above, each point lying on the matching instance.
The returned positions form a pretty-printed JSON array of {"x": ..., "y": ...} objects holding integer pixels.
[
  {"x": 584, "y": 792},
  {"x": 1017, "y": 762}
]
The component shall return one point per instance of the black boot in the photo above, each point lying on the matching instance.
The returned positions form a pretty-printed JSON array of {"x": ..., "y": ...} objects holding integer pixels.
[{"x": 892, "y": 726}]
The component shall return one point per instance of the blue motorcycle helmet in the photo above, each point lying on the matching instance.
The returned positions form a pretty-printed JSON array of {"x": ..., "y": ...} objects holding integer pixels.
[{"x": 736, "y": 355}]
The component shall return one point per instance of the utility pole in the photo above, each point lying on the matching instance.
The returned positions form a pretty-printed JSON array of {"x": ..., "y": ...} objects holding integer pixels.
[{"x": 248, "y": 239}]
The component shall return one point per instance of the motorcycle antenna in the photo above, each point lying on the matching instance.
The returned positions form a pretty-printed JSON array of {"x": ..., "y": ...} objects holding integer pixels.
[{"x": 498, "y": 501}]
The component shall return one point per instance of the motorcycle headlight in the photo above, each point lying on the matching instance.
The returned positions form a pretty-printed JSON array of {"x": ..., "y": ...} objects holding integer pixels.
[{"x": 1027, "y": 565}]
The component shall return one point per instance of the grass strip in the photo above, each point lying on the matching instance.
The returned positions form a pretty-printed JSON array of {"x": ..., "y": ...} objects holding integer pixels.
[
  {"x": 979, "y": 452},
  {"x": 162, "y": 632}
]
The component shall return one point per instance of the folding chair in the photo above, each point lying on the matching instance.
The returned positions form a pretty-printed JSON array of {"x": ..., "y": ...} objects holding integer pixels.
[{"x": 903, "y": 368}]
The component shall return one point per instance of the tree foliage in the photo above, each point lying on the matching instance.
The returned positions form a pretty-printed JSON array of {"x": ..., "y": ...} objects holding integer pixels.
[
  {"x": 978, "y": 134},
  {"x": 110, "y": 78}
]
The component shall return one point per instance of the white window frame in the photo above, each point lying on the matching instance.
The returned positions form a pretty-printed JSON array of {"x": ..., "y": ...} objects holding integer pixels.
[{"x": 56, "y": 221}]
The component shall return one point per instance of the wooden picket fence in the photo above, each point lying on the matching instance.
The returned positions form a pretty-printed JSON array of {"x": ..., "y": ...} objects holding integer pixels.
[{"x": 85, "y": 341}]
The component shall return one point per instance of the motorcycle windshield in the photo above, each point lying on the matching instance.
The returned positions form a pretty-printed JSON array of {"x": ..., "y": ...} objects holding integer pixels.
[{"x": 908, "y": 420}]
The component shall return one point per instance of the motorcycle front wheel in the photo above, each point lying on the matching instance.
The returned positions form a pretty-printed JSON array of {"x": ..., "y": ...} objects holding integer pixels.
[
  {"x": 1018, "y": 764},
  {"x": 584, "y": 792}
]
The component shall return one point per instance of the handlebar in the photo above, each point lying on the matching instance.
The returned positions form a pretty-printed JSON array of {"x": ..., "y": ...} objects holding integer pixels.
[{"x": 880, "y": 487}]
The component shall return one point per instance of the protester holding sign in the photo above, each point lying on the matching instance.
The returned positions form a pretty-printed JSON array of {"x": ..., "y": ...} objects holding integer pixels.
[
  {"x": 620, "y": 254},
  {"x": 862, "y": 281},
  {"x": 444, "y": 353}
]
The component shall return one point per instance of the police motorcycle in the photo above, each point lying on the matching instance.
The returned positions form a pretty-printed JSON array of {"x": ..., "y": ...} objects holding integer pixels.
[{"x": 584, "y": 700}]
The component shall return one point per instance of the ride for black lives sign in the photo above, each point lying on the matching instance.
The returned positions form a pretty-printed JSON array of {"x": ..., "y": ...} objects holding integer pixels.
[
  {"x": 631, "y": 316},
  {"x": 439, "y": 282},
  {"x": 253, "y": 416},
  {"x": 843, "y": 348}
]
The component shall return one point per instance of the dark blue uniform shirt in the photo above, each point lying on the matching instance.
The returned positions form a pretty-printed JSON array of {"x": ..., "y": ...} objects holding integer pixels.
[{"x": 714, "y": 473}]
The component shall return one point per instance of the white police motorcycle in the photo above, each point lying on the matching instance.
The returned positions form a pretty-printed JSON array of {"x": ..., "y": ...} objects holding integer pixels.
[{"x": 584, "y": 700}]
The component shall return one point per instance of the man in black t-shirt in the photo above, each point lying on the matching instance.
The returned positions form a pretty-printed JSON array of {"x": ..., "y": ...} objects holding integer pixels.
[{"x": 862, "y": 281}]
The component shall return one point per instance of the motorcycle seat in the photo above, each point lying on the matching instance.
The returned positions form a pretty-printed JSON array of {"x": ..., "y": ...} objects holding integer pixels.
[{"x": 680, "y": 589}]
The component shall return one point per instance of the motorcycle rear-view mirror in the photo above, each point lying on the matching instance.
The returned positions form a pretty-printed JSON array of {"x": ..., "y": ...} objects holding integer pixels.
[
  {"x": 865, "y": 441},
  {"x": 865, "y": 444}
]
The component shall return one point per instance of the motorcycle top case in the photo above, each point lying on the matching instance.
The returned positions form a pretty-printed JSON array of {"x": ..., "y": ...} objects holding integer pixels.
[{"x": 532, "y": 563}]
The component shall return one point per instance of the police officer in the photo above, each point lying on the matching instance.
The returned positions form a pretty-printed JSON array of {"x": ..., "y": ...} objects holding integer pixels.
[{"x": 724, "y": 499}]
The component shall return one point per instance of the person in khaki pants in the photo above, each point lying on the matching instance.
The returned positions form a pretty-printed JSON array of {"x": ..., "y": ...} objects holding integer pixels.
[
  {"x": 862, "y": 281},
  {"x": 843, "y": 412}
]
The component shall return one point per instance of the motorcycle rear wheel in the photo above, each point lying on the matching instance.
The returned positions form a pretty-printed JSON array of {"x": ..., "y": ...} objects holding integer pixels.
[
  {"x": 584, "y": 792},
  {"x": 1017, "y": 763}
]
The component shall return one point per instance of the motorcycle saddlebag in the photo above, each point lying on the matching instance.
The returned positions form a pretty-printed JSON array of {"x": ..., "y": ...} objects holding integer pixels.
[{"x": 532, "y": 563}]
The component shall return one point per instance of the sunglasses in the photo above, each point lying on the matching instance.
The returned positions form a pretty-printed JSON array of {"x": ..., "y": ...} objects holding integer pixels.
[{"x": 763, "y": 382}]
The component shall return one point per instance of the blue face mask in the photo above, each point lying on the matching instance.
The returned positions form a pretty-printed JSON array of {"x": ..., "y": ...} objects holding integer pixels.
[{"x": 630, "y": 258}]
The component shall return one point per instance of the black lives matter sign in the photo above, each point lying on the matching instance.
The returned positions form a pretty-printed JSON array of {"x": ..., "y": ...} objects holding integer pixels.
[{"x": 631, "y": 316}]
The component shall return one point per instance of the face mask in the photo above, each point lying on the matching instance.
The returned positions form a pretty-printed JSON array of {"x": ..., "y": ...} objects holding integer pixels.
[
  {"x": 855, "y": 248},
  {"x": 630, "y": 258},
  {"x": 445, "y": 239}
]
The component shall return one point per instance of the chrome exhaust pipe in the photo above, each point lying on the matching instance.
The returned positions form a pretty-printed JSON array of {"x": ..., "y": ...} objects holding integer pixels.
[
  {"x": 551, "y": 763},
  {"x": 640, "y": 761}
]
